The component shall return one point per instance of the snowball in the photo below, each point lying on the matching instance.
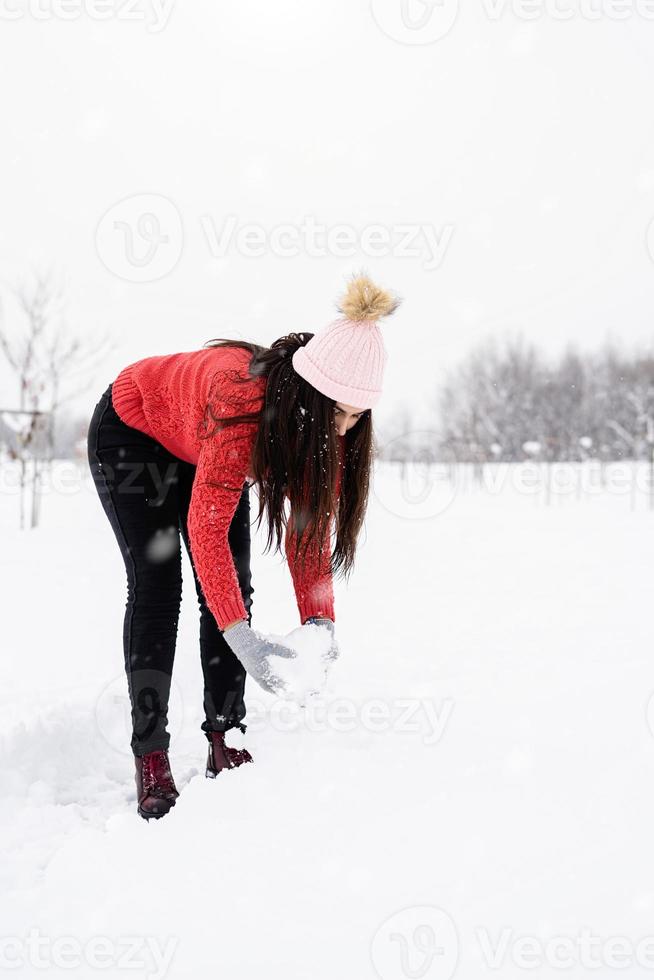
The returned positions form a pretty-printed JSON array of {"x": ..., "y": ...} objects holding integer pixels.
[{"x": 305, "y": 674}]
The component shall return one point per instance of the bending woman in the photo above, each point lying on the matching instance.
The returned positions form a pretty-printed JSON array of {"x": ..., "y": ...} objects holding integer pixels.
[{"x": 174, "y": 444}]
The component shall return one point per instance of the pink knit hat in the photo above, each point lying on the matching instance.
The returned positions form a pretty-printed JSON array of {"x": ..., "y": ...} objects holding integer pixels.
[{"x": 346, "y": 359}]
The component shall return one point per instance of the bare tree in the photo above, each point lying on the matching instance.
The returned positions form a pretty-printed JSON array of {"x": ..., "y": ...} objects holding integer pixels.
[{"x": 51, "y": 366}]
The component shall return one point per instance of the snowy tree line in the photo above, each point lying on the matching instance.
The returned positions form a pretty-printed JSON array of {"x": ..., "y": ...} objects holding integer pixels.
[{"x": 508, "y": 402}]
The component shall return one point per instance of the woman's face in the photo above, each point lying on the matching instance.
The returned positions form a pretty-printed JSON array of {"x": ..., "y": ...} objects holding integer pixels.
[{"x": 345, "y": 416}]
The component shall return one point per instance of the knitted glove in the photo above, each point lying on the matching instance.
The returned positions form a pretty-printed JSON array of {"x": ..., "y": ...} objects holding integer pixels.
[
  {"x": 257, "y": 654},
  {"x": 323, "y": 621}
]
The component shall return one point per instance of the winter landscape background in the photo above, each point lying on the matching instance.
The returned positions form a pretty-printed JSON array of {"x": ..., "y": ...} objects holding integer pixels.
[{"x": 471, "y": 795}]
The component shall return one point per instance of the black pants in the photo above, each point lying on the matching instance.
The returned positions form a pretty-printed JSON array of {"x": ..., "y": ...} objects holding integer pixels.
[{"x": 145, "y": 492}]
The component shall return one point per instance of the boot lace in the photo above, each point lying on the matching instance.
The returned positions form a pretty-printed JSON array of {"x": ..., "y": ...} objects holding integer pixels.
[{"x": 157, "y": 777}]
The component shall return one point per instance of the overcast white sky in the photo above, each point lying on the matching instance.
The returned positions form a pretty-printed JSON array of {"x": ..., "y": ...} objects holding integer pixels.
[{"x": 522, "y": 149}]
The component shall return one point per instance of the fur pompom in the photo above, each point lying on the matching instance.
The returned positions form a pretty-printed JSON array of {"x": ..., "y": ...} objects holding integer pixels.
[{"x": 364, "y": 301}]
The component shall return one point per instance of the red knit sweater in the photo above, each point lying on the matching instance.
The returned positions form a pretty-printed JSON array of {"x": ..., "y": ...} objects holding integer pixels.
[{"x": 165, "y": 397}]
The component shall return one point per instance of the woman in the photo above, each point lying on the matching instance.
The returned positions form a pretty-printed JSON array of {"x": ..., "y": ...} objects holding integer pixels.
[{"x": 172, "y": 446}]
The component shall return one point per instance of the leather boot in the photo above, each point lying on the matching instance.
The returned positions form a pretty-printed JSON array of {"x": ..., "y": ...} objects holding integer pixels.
[
  {"x": 155, "y": 788},
  {"x": 223, "y": 756}
]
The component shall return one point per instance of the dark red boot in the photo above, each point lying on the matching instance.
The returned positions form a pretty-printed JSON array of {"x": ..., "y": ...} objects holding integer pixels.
[
  {"x": 155, "y": 788},
  {"x": 223, "y": 756}
]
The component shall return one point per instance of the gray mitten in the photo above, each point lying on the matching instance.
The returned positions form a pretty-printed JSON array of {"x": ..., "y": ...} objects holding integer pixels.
[
  {"x": 323, "y": 621},
  {"x": 257, "y": 654}
]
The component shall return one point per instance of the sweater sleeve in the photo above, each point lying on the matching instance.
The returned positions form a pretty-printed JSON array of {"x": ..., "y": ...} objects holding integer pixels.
[
  {"x": 219, "y": 480},
  {"x": 313, "y": 585}
]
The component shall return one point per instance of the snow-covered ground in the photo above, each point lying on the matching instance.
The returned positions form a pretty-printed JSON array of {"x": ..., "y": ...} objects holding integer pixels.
[{"x": 472, "y": 797}]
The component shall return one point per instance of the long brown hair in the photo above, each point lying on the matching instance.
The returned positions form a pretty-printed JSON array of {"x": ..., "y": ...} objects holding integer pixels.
[{"x": 296, "y": 454}]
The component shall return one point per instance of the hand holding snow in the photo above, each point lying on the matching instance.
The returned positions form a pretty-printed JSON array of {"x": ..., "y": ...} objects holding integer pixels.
[
  {"x": 293, "y": 666},
  {"x": 259, "y": 656},
  {"x": 334, "y": 651},
  {"x": 305, "y": 674}
]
